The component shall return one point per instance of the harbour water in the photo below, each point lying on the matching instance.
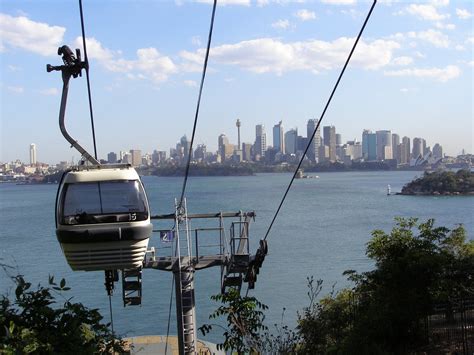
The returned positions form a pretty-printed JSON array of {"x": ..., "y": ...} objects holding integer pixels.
[{"x": 321, "y": 231}]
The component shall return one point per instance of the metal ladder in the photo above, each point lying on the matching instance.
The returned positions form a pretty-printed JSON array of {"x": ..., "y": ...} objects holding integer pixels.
[{"x": 132, "y": 287}]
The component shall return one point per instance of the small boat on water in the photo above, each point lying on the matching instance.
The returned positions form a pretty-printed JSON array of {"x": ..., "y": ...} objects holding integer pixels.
[{"x": 300, "y": 175}]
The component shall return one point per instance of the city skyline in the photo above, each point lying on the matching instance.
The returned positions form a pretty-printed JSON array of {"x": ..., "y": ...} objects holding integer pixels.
[
  {"x": 323, "y": 147},
  {"x": 411, "y": 74}
]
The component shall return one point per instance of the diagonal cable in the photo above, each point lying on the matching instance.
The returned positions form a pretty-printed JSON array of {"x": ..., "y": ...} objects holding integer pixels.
[
  {"x": 321, "y": 118},
  {"x": 86, "y": 60},
  {"x": 198, "y": 104}
]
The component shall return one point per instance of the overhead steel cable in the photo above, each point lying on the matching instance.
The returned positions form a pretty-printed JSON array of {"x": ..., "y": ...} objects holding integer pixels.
[
  {"x": 321, "y": 118},
  {"x": 86, "y": 60},
  {"x": 198, "y": 104}
]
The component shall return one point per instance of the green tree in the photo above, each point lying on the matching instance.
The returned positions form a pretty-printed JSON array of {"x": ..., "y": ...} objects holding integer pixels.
[
  {"x": 244, "y": 316},
  {"x": 34, "y": 322},
  {"x": 416, "y": 266}
]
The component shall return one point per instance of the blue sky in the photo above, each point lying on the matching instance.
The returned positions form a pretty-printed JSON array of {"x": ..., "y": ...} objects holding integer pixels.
[{"x": 270, "y": 60}]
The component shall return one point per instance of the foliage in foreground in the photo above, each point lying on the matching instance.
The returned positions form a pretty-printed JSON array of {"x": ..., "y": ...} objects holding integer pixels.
[
  {"x": 417, "y": 265},
  {"x": 34, "y": 322},
  {"x": 244, "y": 318}
]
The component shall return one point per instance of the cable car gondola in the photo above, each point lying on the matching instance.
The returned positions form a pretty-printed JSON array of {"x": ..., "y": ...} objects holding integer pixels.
[
  {"x": 102, "y": 218},
  {"x": 102, "y": 212}
]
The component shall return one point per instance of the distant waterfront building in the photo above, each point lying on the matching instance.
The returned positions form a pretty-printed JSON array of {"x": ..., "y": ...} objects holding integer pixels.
[
  {"x": 329, "y": 133},
  {"x": 395, "y": 143},
  {"x": 126, "y": 158},
  {"x": 417, "y": 147},
  {"x": 200, "y": 152},
  {"x": 222, "y": 140},
  {"x": 291, "y": 140},
  {"x": 365, "y": 143},
  {"x": 247, "y": 151},
  {"x": 437, "y": 151},
  {"x": 33, "y": 154},
  {"x": 301, "y": 143},
  {"x": 352, "y": 150},
  {"x": 338, "y": 140},
  {"x": 384, "y": 145},
  {"x": 185, "y": 144},
  {"x": 316, "y": 143},
  {"x": 403, "y": 151},
  {"x": 372, "y": 147},
  {"x": 112, "y": 158},
  {"x": 278, "y": 139},
  {"x": 407, "y": 150},
  {"x": 136, "y": 157},
  {"x": 260, "y": 140}
]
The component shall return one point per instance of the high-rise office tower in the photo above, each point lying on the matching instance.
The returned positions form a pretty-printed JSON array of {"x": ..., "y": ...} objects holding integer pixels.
[
  {"x": 112, "y": 158},
  {"x": 222, "y": 141},
  {"x": 291, "y": 141},
  {"x": 384, "y": 145},
  {"x": 329, "y": 133},
  {"x": 32, "y": 154},
  {"x": 278, "y": 138},
  {"x": 365, "y": 143},
  {"x": 315, "y": 144},
  {"x": 407, "y": 149},
  {"x": 260, "y": 140},
  {"x": 437, "y": 151},
  {"x": 136, "y": 157},
  {"x": 395, "y": 143},
  {"x": 417, "y": 147}
]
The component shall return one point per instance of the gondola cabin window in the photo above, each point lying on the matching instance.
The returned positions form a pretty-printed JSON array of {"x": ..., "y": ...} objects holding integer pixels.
[{"x": 104, "y": 202}]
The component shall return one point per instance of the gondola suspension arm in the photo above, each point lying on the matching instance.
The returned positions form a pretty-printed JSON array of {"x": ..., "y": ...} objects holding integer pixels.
[{"x": 72, "y": 67}]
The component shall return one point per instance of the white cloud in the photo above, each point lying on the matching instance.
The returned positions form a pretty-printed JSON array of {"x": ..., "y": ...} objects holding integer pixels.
[
  {"x": 49, "y": 92},
  {"x": 14, "y": 68},
  {"x": 402, "y": 61},
  {"x": 36, "y": 37},
  {"x": 148, "y": 64},
  {"x": 95, "y": 50},
  {"x": 305, "y": 15},
  {"x": 352, "y": 13},
  {"x": 226, "y": 2},
  {"x": 16, "y": 89},
  {"x": 463, "y": 14},
  {"x": 425, "y": 12},
  {"x": 471, "y": 63},
  {"x": 434, "y": 37},
  {"x": 445, "y": 26},
  {"x": 196, "y": 40},
  {"x": 470, "y": 40},
  {"x": 339, "y": 2},
  {"x": 420, "y": 55},
  {"x": 281, "y": 24},
  {"x": 267, "y": 55},
  {"x": 190, "y": 83},
  {"x": 460, "y": 47},
  {"x": 261, "y": 3},
  {"x": 408, "y": 90},
  {"x": 438, "y": 74},
  {"x": 439, "y": 3}
]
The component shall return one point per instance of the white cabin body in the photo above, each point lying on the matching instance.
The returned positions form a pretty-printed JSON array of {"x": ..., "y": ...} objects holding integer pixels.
[{"x": 103, "y": 218}]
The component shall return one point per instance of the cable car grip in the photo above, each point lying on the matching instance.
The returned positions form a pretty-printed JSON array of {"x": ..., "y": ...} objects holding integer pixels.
[{"x": 72, "y": 67}]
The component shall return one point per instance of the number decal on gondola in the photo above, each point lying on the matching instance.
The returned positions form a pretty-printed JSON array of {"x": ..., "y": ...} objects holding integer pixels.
[{"x": 133, "y": 216}]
